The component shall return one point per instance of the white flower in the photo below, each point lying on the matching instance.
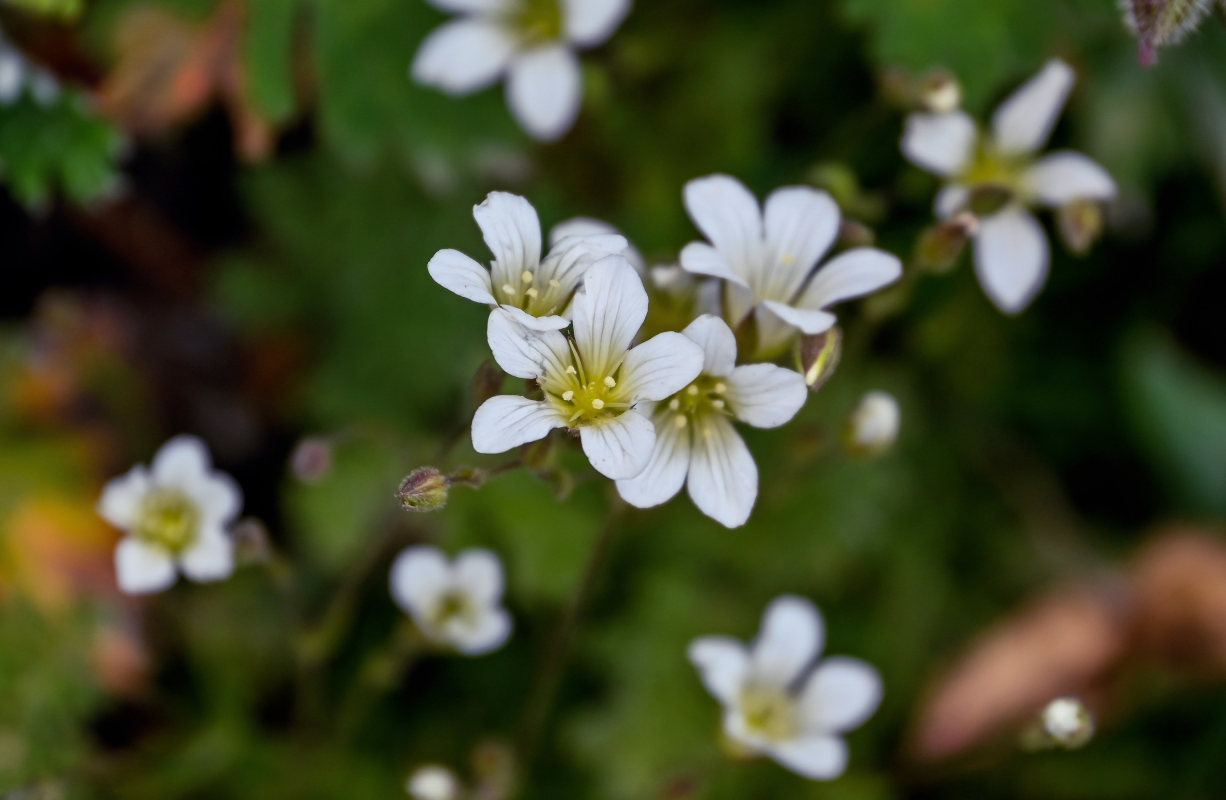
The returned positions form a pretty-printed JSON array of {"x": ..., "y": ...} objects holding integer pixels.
[
  {"x": 175, "y": 514},
  {"x": 696, "y": 443},
  {"x": 17, "y": 72},
  {"x": 433, "y": 782},
  {"x": 779, "y": 705},
  {"x": 536, "y": 292},
  {"x": 455, "y": 604},
  {"x": 593, "y": 382},
  {"x": 767, "y": 257},
  {"x": 1000, "y": 170},
  {"x": 1068, "y": 722},
  {"x": 532, "y": 41},
  {"x": 874, "y": 423}
]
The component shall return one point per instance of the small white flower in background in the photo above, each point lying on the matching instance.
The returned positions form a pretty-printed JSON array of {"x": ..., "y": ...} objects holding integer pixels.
[
  {"x": 696, "y": 443},
  {"x": 175, "y": 514},
  {"x": 873, "y": 425},
  {"x": 767, "y": 258},
  {"x": 1068, "y": 722},
  {"x": 17, "y": 73},
  {"x": 592, "y": 383},
  {"x": 433, "y": 782},
  {"x": 776, "y": 702},
  {"x": 999, "y": 176},
  {"x": 537, "y": 292},
  {"x": 532, "y": 41},
  {"x": 455, "y": 604}
]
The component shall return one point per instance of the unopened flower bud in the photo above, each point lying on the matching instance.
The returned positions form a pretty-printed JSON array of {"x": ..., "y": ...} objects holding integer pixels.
[
  {"x": 873, "y": 425},
  {"x": 433, "y": 782},
  {"x": 251, "y": 541},
  {"x": 1157, "y": 23},
  {"x": 311, "y": 460},
  {"x": 487, "y": 382},
  {"x": 940, "y": 92},
  {"x": 819, "y": 355},
  {"x": 425, "y": 489},
  {"x": 1081, "y": 224},
  {"x": 856, "y": 234},
  {"x": 941, "y": 245},
  {"x": 1068, "y": 722}
]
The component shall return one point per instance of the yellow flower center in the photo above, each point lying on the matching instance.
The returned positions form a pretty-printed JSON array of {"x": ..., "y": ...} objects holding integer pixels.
[
  {"x": 705, "y": 396},
  {"x": 451, "y": 606},
  {"x": 586, "y": 398},
  {"x": 538, "y": 21},
  {"x": 994, "y": 178},
  {"x": 538, "y": 298},
  {"x": 169, "y": 519},
  {"x": 769, "y": 713}
]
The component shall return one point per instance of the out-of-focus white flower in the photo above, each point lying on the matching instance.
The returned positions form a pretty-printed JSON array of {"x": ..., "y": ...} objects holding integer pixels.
[
  {"x": 433, "y": 782},
  {"x": 536, "y": 292},
  {"x": 1068, "y": 722},
  {"x": 456, "y": 604},
  {"x": 776, "y": 702},
  {"x": 17, "y": 73},
  {"x": 696, "y": 443},
  {"x": 593, "y": 383},
  {"x": 767, "y": 257},
  {"x": 532, "y": 41},
  {"x": 998, "y": 176},
  {"x": 175, "y": 514},
  {"x": 873, "y": 425}
]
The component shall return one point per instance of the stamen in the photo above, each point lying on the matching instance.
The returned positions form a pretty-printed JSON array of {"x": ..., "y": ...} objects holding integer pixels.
[
  {"x": 691, "y": 390},
  {"x": 680, "y": 420},
  {"x": 555, "y": 283},
  {"x": 526, "y": 276},
  {"x": 508, "y": 288},
  {"x": 570, "y": 370},
  {"x": 568, "y": 395},
  {"x": 721, "y": 387},
  {"x": 532, "y": 292},
  {"x": 608, "y": 381},
  {"x": 674, "y": 404},
  {"x": 597, "y": 404},
  {"x": 717, "y": 404}
]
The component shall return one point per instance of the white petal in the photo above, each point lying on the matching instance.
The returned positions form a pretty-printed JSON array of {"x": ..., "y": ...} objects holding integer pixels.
[
  {"x": 723, "y": 479},
  {"x": 661, "y": 366},
  {"x": 951, "y": 199},
  {"x": 458, "y": 273},
  {"x": 218, "y": 498},
  {"x": 791, "y": 637},
  {"x": 764, "y": 395},
  {"x": 182, "y": 462},
  {"x": 572, "y": 256},
  {"x": 839, "y": 695},
  {"x": 478, "y": 572},
  {"x": 1024, "y": 121},
  {"x": 506, "y": 421},
  {"x": 940, "y": 143},
  {"x": 665, "y": 473},
  {"x": 590, "y": 22},
  {"x": 522, "y": 351},
  {"x": 717, "y": 341},
  {"x": 820, "y": 757},
  {"x": 472, "y": 6},
  {"x": 545, "y": 90},
  {"x": 727, "y": 213},
  {"x": 210, "y": 559},
  {"x": 489, "y": 632},
  {"x": 463, "y": 55},
  {"x": 419, "y": 575},
  {"x": 554, "y": 322},
  {"x": 701, "y": 258},
  {"x": 608, "y": 311},
  {"x": 808, "y": 320},
  {"x": 1062, "y": 177},
  {"x": 801, "y": 225},
  {"x": 619, "y": 448},
  {"x": 122, "y": 497},
  {"x": 1011, "y": 258},
  {"x": 141, "y": 569},
  {"x": 580, "y": 226},
  {"x": 512, "y": 232},
  {"x": 723, "y": 665},
  {"x": 852, "y": 274}
]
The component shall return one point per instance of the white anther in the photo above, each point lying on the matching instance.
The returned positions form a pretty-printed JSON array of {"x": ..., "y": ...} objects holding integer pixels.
[
  {"x": 526, "y": 276},
  {"x": 608, "y": 381},
  {"x": 568, "y": 395},
  {"x": 597, "y": 404}
]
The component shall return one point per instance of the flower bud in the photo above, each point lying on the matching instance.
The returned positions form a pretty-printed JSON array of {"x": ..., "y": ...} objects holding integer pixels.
[
  {"x": 873, "y": 425},
  {"x": 1081, "y": 224},
  {"x": 425, "y": 489},
  {"x": 940, "y": 92},
  {"x": 1068, "y": 722},
  {"x": 251, "y": 541},
  {"x": 433, "y": 782},
  {"x": 989, "y": 198},
  {"x": 311, "y": 460},
  {"x": 941, "y": 245},
  {"x": 1157, "y": 23},
  {"x": 856, "y": 234},
  {"x": 487, "y": 382},
  {"x": 819, "y": 355}
]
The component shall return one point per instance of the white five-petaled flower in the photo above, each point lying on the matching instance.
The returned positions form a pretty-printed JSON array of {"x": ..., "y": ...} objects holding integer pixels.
[
  {"x": 175, "y": 514},
  {"x": 767, "y": 257},
  {"x": 998, "y": 176},
  {"x": 536, "y": 292},
  {"x": 592, "y": 383},
  {"x": 696, "y": 443},
  {"x": 778, "y": 703},
  {"x": 532, "y": 41},
  {"x": 454, "y": 604}
]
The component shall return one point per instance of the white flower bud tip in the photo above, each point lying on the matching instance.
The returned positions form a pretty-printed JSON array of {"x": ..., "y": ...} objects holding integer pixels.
[
  {"x": 874, "y": 424},
  {"x": 433, "y": 782},
  {"x": 1068, "y": 722}
]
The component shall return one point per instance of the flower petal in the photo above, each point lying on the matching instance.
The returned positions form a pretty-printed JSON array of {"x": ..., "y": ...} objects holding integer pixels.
[
  {"x": 791, "y": 637},
  {"x": 764, "y": 395},
  {"x": 801, "y": 225},
  {"x": 122, "y": 497},
  {"x": 142, "y": 569},
  {"x": 478, "y": 572},
  {"x": 840, "y": 695},
  {"x": 590, "y": 22},
  {"x": 218, "y": 497},
  {"x": 939, "y": 143},
  {"x": 723, "y": 480},
  {"x": 819, "y": 757},
  {"x": 419, "y": 575},
  {"x": 950, "y": 199},
  {"x": 1011, "y": 258},
  {"x": 1023, "y": 122},
  {"x": 723, "y": 665},
  {"x": 661, "y": 366},
  {"x": 488, "y": 632},
  {"x": 807, "y": 320},
  {"x": 522, "y": 351},
  {"x": 210, "y": 558},
  {"x": 727, "y": 213},
  {"x": 665, "y": 473},
  {"x": 463, "y": 55},
  {"x": 701, "y": 258},
  {"x": 1062, "y": 177},
  {"x": 572, "y": 256},
  {"x": 182, "y": 462},
  {"x": 852, "y": 274},
  {"x": 512, "y": 232},
  {"x": 545, "y": 91},
  {"x": 554, "y": 322},
  {"x": 621, "y": 447},
  {"x": 717, "y": 341},
  {"x": 580, "y": 226},
  {"x": 507, "y": 421},
  {"x": 608, "y": 311},
  {"x": 460, "y": 274}
]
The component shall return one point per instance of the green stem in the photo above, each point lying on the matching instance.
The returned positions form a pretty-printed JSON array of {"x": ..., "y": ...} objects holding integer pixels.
[{"x": 380, "y": 673}]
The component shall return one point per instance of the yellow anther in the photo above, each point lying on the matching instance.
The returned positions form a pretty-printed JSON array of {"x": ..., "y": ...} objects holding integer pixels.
[
  {"x": 570, "y": 370},
  {"x": 691, "y": 390},
  {"x": 721, "y": 387},
  {"x": 608, "y": 381},
  {"x": 717, "y": 404},
  {"x": 526, "y": 276},
  {"x": 674, "y": 404},
  {"x": 555, "y": 283},
  {"x": 508, "y": 288},
  {"x": 597, "y": 404},
  {"x": 568, "y": 395},
  {"x": 679, "y": 420},
  {"x": 532, "y": 292}
]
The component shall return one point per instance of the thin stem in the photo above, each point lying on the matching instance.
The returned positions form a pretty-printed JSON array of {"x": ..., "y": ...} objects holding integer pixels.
[{"x": 381, "y": 672}]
